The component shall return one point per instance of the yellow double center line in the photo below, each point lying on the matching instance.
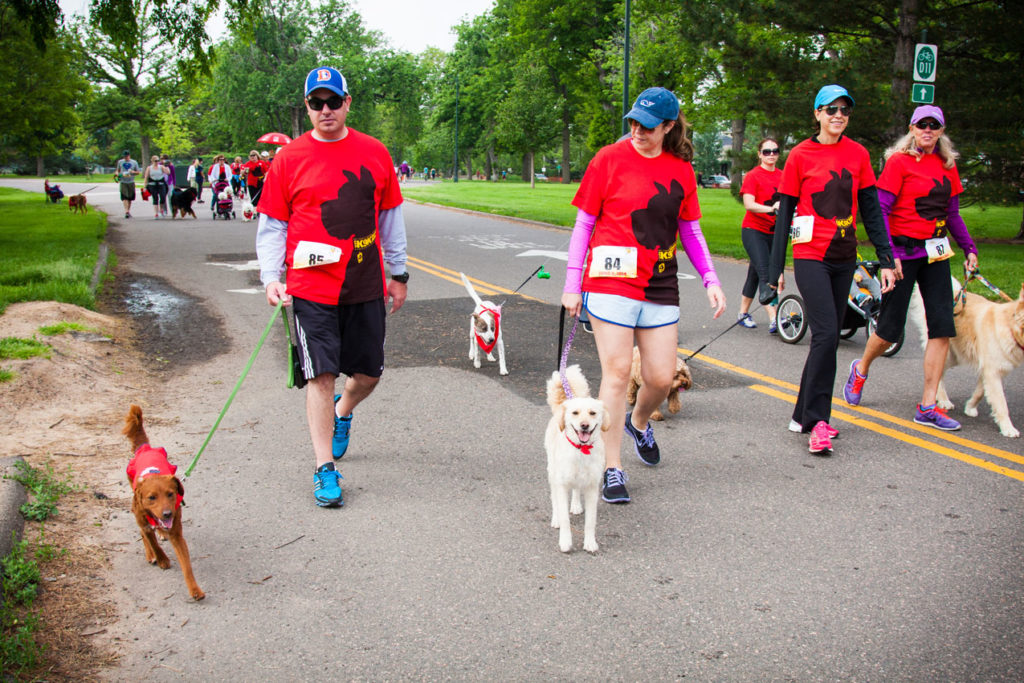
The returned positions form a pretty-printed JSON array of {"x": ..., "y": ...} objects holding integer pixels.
[
  {"x": 482, "y": 288},
  {"x": 786, "y": 391},
  {"x": 858, "y": 416}
]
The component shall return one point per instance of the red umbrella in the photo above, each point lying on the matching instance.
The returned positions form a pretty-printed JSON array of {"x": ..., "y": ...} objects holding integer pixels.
[{"x": 275, "y": 139}]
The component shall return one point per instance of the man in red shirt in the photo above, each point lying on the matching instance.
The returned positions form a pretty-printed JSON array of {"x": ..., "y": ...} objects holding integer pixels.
[{"x": 330, "y": 216}]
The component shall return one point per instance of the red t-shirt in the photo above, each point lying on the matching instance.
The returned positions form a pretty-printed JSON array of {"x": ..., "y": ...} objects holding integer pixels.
[
  {"x": 764, "y": 185},
  {"x": 638, "y": 202},
  {"x": 332, "y": 193},
  {"x": 825, "y": 180},
  {"x": 923, "y": 190},
  {"x": 257, "y": 169}
]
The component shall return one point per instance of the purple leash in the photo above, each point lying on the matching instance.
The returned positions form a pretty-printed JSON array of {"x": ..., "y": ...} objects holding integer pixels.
[{"x": 565, "y": 352}]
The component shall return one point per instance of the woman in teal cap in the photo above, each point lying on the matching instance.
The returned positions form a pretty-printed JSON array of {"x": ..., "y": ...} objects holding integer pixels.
[
  {"x": 827, "y": 178},
  {"x": 636, "y": 198}
]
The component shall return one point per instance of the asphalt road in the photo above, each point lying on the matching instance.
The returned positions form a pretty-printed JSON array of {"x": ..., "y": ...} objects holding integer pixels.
[{"x": 742, "y": 557}]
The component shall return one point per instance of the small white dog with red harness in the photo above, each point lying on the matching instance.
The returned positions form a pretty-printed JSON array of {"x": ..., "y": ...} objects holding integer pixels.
[
  {"x": 575, "y": 449},
  {"x": 248, "y": 213},
  {"x": 485, "y": 330}
]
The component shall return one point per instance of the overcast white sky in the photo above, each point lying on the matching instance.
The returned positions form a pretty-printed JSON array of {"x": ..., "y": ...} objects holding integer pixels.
[{"x": 409, "y": 25}]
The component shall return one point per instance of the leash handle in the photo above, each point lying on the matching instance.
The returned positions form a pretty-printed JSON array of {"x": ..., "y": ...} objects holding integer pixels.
[{"x": 238, "y": 385}]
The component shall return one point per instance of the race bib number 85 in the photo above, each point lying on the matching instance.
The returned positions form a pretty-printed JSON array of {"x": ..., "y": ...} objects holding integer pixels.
[{"x": 311, "y": 254}]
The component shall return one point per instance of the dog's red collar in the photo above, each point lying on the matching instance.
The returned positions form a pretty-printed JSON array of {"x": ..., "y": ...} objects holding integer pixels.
[
  {"x": 585, "y": 448},
  {"x": 485, "y": 347}
]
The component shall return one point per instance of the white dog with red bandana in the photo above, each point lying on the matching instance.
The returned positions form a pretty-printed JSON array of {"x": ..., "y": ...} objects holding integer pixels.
[
  {"x": 575, "y": 455},
  {"x": 485, "y": 330}
]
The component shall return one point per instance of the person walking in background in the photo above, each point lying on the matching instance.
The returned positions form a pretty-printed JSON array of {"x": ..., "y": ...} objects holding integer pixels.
[
  {"x": 127, "y": 169},
  {"x": 253, "y": 171},
  {"x": 760, "y": 199},
  {"x": 172, "y": 180},
  {"x": 827, "y": 179},
  {"x": 331, "y": 214},
  {"x": 195, "y": 178},
  {"x": 236, "y": 177},
  {"x": 155, "y": 179},
  {"x": 919, "y": 192},
  {"x": 636, "y": 198}
]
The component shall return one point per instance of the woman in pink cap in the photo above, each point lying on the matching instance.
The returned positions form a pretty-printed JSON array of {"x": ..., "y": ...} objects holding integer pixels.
[{"x": 919, "y": 192}]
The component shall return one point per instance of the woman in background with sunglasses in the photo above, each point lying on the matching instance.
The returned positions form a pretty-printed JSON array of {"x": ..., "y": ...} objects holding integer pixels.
[
  {"x": 760, "y": 199},
  {"x": 826, "y": 179},
  {"x": 919, "y": 193}
]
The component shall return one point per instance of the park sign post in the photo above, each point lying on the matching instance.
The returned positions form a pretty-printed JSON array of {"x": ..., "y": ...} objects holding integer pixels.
[
  {"x": 925, "y": 62},
  {"x": 926, "y": 58}
]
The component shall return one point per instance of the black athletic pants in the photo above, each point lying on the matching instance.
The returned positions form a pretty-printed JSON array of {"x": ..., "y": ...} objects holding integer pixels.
[{"x": 825, "y": 288}]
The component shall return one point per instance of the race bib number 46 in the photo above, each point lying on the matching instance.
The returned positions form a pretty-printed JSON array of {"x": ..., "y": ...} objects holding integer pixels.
[
  {"x": 311, "y": 254},
  {"x": 610, "y": 261}
]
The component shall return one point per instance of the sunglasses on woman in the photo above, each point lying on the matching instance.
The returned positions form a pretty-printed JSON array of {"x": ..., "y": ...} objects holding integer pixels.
[
  {"x": 317, "y": 103},
  {"x": 770, "y": 151},
  {"x": 832, "y": 109},
  {"x": 928, "y": 125}
]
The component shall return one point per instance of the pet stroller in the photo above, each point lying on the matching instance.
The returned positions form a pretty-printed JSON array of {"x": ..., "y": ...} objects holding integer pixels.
[
  {"x": 863, "y": 306},
  {"x": 222, "y": 205}
]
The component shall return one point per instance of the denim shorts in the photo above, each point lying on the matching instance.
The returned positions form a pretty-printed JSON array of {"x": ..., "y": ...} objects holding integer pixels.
[{"x": 621, "y": 310}]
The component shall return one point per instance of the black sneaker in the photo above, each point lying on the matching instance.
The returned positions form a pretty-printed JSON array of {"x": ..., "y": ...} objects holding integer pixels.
[
  {"x": 643, "y": 442},
  {"x": 613, "y": 486}
]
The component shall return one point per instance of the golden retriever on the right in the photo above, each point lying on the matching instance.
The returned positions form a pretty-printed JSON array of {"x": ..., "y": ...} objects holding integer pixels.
[{"x": 990, "y": 338}]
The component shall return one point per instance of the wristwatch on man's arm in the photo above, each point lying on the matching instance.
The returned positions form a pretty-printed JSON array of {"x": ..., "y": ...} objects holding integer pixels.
[{"x": 400, "y": 277}]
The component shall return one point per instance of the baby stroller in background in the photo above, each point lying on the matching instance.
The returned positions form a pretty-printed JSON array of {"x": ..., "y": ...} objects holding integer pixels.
[
  {"x": 222, "y": 205},
  {"x": 863, "y": 306},
  {"x": 53, "y": 192}
]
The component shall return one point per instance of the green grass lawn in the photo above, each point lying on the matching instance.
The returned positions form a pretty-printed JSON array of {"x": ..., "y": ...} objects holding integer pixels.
[
  {"x": 46, "y": 252},
  {"x": 1003, "y": 264}
]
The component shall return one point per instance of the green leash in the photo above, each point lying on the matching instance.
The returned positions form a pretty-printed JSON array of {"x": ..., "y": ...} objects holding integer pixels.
[{"x": 238, "y": 385}]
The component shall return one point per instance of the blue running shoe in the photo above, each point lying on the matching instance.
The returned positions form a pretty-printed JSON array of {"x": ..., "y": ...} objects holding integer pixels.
[
  {"x": 327, "y": 486},
  {"x": 342, "y": 426},
  {"x": 643, "y": 442}
]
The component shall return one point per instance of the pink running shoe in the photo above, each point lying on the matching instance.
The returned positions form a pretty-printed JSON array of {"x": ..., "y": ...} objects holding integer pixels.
[{"x": 820, "y": 441}]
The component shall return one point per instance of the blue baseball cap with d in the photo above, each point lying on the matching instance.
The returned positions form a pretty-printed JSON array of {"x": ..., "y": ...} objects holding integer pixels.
[
  {"x": 831, "y": 93},
  {"x": 326, "y": 77},
  {"x": 653, "y": 106}
]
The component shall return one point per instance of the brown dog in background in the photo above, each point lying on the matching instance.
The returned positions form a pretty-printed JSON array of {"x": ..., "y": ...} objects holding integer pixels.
[
  {"x": 681, "y": 381},
  {"x": 157, "y": 500},
  {"x": 78, "y": 202}
]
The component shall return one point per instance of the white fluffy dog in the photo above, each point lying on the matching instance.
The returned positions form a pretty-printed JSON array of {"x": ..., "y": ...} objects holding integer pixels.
[
  {"x": 485, "y": 330},
  {"x": 248, "y": 213},
  {"x": 575, "y": 456}
]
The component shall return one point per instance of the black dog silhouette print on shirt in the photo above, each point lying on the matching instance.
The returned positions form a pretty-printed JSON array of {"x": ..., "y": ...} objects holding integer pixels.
[
  {"x": 934, "y": 205},
  {"x": 655, "y": 227},
  {"x": 352, "y": 217},
  {"x": 835, "y": 201}
]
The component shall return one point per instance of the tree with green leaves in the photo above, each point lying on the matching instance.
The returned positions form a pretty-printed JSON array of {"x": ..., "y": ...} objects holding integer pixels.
[
  {"x": 134, "y": 74},
  {"x": 40, "y": 87},
  {"x": 525, "y": 116}
]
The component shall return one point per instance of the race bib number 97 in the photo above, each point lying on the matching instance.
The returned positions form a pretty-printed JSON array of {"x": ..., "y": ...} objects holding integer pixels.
[
  {"x": 610, "y": 261},
  {"x": 312, "y": 254}
]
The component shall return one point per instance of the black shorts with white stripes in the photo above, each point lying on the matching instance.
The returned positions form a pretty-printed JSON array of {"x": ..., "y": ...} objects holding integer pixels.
[{"x": 346, "y": 339}]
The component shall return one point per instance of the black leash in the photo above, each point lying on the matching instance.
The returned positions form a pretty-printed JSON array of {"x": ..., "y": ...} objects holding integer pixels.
[{"x": 719, "y": 335}]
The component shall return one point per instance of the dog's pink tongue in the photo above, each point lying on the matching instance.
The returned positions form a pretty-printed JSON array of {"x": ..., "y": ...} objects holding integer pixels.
[{"x": 584, "y": 436}]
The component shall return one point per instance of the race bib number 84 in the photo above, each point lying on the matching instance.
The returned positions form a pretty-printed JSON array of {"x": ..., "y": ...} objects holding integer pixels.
[
  {"x": 608, "y": 261},
  {"x": 311, "y": 254}
]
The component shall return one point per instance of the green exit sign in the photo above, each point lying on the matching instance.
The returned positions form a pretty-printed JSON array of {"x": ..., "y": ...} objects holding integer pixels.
[
  {"x": 926, "y": 59},
  {"x": 923, "y": 94}
]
